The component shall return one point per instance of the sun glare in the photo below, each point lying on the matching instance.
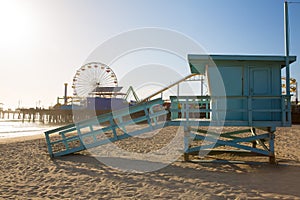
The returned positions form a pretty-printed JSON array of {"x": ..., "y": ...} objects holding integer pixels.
[{"x": 16, "y": 24}]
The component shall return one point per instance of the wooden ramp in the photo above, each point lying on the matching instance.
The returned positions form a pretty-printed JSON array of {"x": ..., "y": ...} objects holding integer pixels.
[{"x": 105, "y": 128}]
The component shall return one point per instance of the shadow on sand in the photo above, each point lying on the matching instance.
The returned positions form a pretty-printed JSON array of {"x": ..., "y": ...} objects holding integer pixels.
[{"x": 255, "y": 180}]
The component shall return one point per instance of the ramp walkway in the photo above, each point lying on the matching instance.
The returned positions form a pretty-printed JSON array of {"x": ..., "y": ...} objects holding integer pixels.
[{"x": 104, "y": 128}]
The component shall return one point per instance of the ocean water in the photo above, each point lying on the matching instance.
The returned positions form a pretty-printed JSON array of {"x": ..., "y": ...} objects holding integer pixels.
[{"x": 15, "y": 128}]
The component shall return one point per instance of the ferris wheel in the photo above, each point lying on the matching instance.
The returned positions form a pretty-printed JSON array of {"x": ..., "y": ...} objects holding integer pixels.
[{"x": 93, "y": 75}]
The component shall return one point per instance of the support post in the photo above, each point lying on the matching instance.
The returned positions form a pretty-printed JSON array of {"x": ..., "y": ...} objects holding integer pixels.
[
  {"x": 272, "y": 159},
  {"x": 66, "y": 94},
  {"x": 186, "y": 143},
  {"x": 287, "y": 59},
  {"x": 296, "y": 93},
  {"x": 253, "y": 130},
  {"x": 201, "y": 84}
]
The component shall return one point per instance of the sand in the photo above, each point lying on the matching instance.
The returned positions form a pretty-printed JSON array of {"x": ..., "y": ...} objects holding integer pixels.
[{"x": 27, "y": 172}]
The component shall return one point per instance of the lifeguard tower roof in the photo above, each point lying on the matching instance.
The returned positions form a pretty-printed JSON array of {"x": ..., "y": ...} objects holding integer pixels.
[{"x": 198, "y": 62}]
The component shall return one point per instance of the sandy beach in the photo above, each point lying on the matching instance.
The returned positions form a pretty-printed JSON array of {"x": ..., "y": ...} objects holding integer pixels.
[{"x": 27, "y": 172}]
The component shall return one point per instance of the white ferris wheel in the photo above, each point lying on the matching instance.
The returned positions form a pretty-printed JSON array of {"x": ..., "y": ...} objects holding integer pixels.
[{"x": 91, "y": 76}]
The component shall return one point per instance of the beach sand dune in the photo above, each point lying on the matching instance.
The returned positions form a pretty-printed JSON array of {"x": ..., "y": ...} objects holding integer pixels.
[{"x": 27, "y": 171}]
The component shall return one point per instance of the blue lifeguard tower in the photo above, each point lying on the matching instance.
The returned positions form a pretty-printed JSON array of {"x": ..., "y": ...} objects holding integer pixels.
[{"x": 244, "y": 91}]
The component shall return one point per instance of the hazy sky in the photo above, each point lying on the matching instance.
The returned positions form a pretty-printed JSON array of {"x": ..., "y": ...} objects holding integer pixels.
[{"x": 44, "y": 42}]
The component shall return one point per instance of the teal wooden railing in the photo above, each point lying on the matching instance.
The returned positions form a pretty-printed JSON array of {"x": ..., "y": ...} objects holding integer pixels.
[
  {"x": 104, "y": 128},
  {"x": 264, "y": 111}
]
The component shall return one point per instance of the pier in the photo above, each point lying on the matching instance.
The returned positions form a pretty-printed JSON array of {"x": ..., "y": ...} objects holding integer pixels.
[{"x": 54, "y": 116}]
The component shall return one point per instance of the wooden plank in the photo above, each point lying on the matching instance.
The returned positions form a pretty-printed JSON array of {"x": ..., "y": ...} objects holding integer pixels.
[
  {"x": 245, "y": 139},
  {"x": 226, "y": 135},
  {"x": 226, "y": 151},
  {"x": 49, "y": 145},
  {"x": 232, "y": 143},
  {"x": 228, "y": 162},
  {"x": 200, "y": 122},
  {"x": 59, "y": 129},
  {"x": 66, "y": 152},
  {"x": 69, "y": 139},
  {"x": 259, "y": 141}
]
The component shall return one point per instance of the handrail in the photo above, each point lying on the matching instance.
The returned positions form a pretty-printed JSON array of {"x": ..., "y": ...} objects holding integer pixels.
[
  {"x": 182, "y": 104},
  {"x": 116, "y": 120},
  {"x": 124, "y": 110}
]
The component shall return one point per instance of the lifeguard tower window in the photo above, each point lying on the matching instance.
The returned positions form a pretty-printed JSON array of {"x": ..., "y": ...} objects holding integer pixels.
[{"x": 252, "y": 87}]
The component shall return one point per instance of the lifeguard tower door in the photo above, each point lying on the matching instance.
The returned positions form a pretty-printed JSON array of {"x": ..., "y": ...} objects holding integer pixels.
[{"x": 261, "y": 86}]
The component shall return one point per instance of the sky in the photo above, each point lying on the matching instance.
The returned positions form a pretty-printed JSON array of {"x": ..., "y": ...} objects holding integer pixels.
[{"x": 44, "y": 42}]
